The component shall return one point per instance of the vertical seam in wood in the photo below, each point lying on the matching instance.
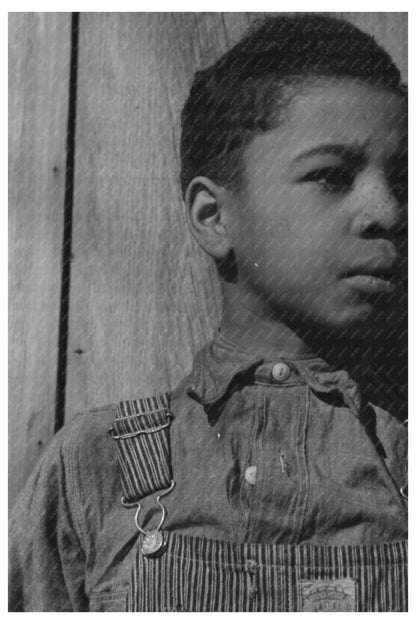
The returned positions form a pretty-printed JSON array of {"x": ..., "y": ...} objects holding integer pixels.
[{"x": 67, "y": 229}]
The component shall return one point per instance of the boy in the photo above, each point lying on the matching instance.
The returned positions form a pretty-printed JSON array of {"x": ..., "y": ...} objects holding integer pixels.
[{"x": 282, "y": 476}]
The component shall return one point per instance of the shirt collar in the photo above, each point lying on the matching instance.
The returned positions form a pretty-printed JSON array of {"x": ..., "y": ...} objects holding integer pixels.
[
  {"x": 219, "y": 363},
  {"x": 216, "y": 366}
]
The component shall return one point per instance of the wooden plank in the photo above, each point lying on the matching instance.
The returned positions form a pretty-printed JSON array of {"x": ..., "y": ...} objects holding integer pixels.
[
  {"x": 144, "y": 298},
  {"x": 39, "y": 55}
]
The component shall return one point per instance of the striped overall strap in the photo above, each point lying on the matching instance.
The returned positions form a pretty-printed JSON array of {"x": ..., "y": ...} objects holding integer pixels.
[{"x": 141, "y": 432}]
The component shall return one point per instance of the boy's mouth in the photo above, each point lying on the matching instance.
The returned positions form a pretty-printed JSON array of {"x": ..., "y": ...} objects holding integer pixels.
[
  {"x": 374, "y": 277},
  {"x": 372, "y": 284}
]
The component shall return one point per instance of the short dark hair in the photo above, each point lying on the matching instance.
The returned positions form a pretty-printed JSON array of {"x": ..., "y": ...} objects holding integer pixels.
[{"x": 238, "y": 95}]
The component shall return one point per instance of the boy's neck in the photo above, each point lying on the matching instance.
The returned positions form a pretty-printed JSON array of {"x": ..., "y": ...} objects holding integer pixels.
[
  {"x": 262, "y": 336},
  {"x": 247, "y": 322}
]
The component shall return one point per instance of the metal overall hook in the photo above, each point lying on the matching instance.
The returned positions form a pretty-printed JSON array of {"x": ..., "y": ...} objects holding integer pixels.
[{"x": 153, "y": 542}]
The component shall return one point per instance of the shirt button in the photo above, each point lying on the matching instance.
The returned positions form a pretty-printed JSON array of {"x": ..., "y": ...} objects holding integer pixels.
[
  {"x": 281, "y": 371},
  {"x": 250, "y": 475}
]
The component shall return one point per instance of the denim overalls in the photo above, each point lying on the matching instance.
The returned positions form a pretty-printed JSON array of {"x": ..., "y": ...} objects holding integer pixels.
[{"x": 304, "y": 512}]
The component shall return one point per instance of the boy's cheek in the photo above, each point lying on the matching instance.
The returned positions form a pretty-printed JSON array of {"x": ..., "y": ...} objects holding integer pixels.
[{"x": 327, "y": 305}]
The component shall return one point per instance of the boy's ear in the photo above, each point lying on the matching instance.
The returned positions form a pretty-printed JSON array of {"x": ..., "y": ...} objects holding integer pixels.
[{"x": 206, "y": 216}]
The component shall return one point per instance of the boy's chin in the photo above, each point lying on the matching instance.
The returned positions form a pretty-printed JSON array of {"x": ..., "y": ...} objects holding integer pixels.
[{"x": 367, "y": 322}]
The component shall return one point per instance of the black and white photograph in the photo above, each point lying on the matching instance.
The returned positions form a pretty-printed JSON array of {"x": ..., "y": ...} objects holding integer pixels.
[{"x": 208, "y": 311}]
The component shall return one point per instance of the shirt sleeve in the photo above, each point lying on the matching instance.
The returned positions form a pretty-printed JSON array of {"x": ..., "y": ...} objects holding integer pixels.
[{"x": 46, "y": 559}]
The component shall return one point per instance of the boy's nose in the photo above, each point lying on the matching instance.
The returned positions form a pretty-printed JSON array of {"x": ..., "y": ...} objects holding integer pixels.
[{"x": 380, "y": 212}]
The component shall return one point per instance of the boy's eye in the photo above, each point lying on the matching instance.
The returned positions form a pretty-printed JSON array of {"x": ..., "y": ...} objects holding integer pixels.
[
  {"x": 333, "y": 179},
  {"x": 398, "y": 179}
]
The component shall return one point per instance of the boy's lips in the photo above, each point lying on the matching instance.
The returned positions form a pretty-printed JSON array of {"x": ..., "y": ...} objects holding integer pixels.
[
  {"x": 371, "y": 284},
  {"x": 374, "y": 277}
]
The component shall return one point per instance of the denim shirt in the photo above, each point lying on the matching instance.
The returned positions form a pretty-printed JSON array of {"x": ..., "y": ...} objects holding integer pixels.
[{"x": 266, "y": 452}]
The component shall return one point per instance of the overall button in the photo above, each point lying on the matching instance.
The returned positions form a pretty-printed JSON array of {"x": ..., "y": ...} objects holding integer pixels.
[
  {"x": 281, "y": 371},
  {"x": 250, "y": 475}
]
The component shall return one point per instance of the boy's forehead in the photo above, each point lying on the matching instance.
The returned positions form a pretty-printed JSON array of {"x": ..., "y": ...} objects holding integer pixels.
[{"x": 341, "y": 111}]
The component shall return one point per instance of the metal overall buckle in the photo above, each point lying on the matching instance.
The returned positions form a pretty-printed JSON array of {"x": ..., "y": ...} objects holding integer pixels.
[{"x": 154, "y": 543}]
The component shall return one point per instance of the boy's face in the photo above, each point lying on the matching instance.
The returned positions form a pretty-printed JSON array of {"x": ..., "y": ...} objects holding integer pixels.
[{"x": 319, "y": 228}]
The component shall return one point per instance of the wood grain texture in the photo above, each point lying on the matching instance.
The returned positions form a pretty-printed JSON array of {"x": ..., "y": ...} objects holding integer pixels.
[
  {"x": 39, "y": 54},
  {"x": 144, "y": 298}
]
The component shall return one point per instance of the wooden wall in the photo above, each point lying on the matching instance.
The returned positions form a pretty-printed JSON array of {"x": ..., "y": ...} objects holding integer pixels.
[
  {"x": 39, "y": 54},
  {"x": 138, "y": 298}
]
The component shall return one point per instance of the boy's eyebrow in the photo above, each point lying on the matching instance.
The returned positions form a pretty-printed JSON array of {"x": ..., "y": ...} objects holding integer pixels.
[{"x": 354, "y": 150}]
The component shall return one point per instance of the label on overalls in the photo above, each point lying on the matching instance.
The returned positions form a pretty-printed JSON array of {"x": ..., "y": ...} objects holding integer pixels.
[{"x": 327, "y": 595}]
